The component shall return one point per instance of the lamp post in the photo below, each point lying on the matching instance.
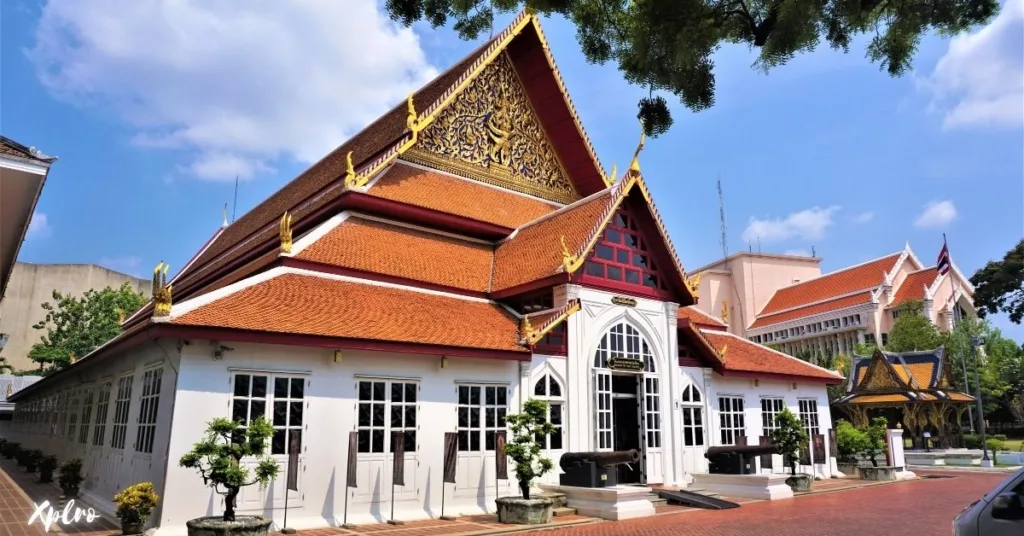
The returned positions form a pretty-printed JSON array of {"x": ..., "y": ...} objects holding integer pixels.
[{"x": 985, "y": 461}]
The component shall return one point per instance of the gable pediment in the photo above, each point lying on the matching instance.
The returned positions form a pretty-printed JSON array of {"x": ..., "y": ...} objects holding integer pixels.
[
  {"x": 880, "y": 376},
  {"x": 489, "y": 132}
]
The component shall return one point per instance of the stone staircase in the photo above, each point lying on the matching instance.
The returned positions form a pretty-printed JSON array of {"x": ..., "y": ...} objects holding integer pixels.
[
  {"x": 656, "y": 499},
  {"x": 560, "y": 508}
]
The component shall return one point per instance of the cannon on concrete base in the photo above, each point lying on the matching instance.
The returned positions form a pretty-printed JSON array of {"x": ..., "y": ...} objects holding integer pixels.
[
  {"x": 736, "y": 459},
  {"x": 593, "y": 469}
]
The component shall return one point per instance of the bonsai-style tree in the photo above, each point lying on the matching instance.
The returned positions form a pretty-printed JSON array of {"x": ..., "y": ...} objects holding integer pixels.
[
  {"x": 523, "y": 447},
  {"x": 217, "y": 458},
  {"x": 789, "y": 437},
  {"x": 875, "y": 443},
  {"x": 849, "y": 441}
]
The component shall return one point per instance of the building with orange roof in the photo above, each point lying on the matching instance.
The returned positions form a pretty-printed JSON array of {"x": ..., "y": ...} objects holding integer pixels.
[
  {"x": 785, "y": 300},
  {"x": 462, "y": 254}
]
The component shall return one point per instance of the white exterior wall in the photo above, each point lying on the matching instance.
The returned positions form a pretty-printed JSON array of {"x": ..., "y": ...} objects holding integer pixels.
[
  {"x": 107, "y": 469},
  {"x": 205, "y": 392},
  {"x": 752, "y": 395}
]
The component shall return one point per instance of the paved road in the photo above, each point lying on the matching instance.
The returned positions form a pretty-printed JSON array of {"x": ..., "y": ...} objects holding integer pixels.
[{"x": 917, "y": 508}]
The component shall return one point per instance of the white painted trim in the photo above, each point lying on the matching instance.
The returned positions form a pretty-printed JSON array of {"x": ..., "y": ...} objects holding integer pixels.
[
  {"x": 210, "y": 297},
  {"x": 376, "y": 178},
  {"x": 913, "y": 256},
  {"x": 317, "y": 233},
  {"x": 387, "y": 377},
  {"x": 421, "y": 229},
  {"x": 246, "y": 370},
  {"x": 964, "y": 282},
  {"x": 206, "y": 246},
  {"x": 20, "y": 164},
  {"x": 481, "y": 183},
  {"x": 787, "y": 356}
]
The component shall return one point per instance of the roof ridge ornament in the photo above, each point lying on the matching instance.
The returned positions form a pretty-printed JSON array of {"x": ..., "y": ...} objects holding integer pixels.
[
  {"x": 569, "y": 259},
  {"x": 693, "y": 283},
  {"x": 634, "y": 165},
  {"x": 609, "y": 180},
  {"x": 161, "y": 291},
  {"x": 284, "y": 231},
  {"x": 725, "y": 309}
]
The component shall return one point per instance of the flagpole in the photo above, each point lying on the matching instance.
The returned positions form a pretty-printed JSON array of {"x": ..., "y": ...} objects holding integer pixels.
[{"x": 963, "y": 358}]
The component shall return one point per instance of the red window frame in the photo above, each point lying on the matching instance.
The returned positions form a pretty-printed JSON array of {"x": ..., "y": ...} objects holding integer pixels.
[{"x": 622, "y": 259}]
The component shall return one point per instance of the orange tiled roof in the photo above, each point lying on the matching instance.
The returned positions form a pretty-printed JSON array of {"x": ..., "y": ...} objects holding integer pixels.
[
  {"x": 912, "y": 287},
  {"x": 311, "y": 305},
  {"x": 699, "y": 317},
  {"x": 742, "y": 355},
  {"x": 461, "y": 197},
  {"x": 833, "y": 305},
  {"x": 397, "y": 251},
  {"x": 878, "y": 399},
  {"x": 865, "y": 276},
  {"x": 535, "y": 251}
]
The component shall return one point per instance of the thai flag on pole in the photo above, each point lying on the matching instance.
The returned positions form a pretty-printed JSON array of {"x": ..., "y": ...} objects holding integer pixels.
[{"x": 943, "y": 264}]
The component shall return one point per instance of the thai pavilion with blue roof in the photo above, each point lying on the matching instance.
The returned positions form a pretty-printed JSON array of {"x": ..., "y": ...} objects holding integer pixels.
[{"x": 916, "y": 384}]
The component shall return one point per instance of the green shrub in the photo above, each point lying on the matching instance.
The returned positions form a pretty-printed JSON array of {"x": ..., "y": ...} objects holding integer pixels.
[
  {"x": 875, "y": 444},
  {"x": 789, "y": 437},
  {"x": 995, "y": 445},
  {"x": 972, "y": 441},
  {"x": 849, "y": 441},
  {"x": 524, "y": 449},
  {"x": 1001, "y": 437}
]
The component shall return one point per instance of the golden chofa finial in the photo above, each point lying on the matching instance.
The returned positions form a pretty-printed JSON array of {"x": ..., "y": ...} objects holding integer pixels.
[
  {"x": 609, "y": 179},
  {"x": 10, "y": 390},
  {"x": 412, "y": 121},
  {"x": 284, "y": 230},
  {"x": 635, "y": 164},
  {"x": 725, "y": 311},
  {"x": 568, "y": 259},
  {"x": 693, "y": 283},
  {"x": 721, "y": 352},
  {"x": 525, "y": 328},
  {"x": 161, "y": 291},
  {"x": 352, "y": 180}
]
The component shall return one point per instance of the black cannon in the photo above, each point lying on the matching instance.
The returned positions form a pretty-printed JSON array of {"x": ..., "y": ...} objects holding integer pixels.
[
  {"x": 736, "y": 459},
  {"x": 593, "y": 469}
]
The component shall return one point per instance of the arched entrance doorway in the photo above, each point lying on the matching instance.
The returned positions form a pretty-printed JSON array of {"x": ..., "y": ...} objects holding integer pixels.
[{"x": 627, "y": 396}]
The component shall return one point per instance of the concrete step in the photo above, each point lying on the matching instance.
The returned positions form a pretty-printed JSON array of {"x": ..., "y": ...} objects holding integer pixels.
[
  {"x": 563, "y": 511},
  {"x": 656, "y": 499}
]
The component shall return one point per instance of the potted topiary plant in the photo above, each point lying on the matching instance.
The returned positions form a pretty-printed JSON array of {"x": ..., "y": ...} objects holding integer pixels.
[
  {"x": 70, "y": 478},
  {"x": 874, "y": 446},
  {"x": 217, "y": 458},
  {"x": 525, "y": 452},
  {"x": 134, "y": 504},
  {"x": 849, "y": 443},
  {"x": 46, "y": 468},
  {"x": 32, "y": 459},
  {"x": 789, "y": 437}
]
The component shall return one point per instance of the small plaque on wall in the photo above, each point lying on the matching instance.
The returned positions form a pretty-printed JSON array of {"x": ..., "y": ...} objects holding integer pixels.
[
  {"x": 625, "y": 364},
  {"x": 622, "y": 300}
]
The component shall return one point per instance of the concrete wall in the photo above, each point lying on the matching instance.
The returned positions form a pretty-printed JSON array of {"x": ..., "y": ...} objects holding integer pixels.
[{"x": 33, "y": 284}]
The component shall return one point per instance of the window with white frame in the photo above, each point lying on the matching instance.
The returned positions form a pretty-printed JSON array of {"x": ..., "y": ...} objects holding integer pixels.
[
  {"x": 809, "y": 416},
  {"x": 481, "y": 414},
  {"x": 283, "y": 395},
  {"x": 770, "y": 410},
  {"x": 652, "y": 412},
  {"x": 732, "y": 423},
  {"x": 693, "y": 416},
  {"x": 83, "y": 432},
  {"x": 121, "y": 406},
  {"x": 148, "y": 404},
  {"x": 549, "y": 390},
  {"x": 102, "y": 403},
  {"x": 73, "y": 417},
  {"x": 386, "y": 406}
]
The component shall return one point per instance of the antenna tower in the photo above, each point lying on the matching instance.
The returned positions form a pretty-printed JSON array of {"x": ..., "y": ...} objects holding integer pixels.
[{"x": 721, "y": 217}]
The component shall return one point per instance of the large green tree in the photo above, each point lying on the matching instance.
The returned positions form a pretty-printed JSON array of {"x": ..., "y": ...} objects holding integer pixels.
[
  {"x": 912, "y": 330},
  {"x": 1000, "y": 363},
  {"x": 999, "y": 285},
  {"x": 668, "y": 46},
  {"x": 76, "y": 325}
]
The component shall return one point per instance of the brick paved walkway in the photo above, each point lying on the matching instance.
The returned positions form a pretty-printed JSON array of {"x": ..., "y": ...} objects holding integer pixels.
[
  {"x": 923, "y": 507},
  {"x": 18, "y": 490}
]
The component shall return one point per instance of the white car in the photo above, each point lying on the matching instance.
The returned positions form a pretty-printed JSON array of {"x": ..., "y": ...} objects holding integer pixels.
[{"x": 999, "y": 512}]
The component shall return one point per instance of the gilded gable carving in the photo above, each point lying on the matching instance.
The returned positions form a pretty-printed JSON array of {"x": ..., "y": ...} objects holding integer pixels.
[
  {"x": 490, "y": 133},
  {"x": 881, "y": 376}
]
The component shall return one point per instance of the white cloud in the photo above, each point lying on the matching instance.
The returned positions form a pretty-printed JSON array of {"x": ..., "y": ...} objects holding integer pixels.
[
  {"x": 39, "y": 226},
  {"x": 936, "y": 214},
  {"x": 807, "y": 224},
  {"x": 236, "y": 86},
  {"x": 797, "y": 252},
  {"x": 980, "y": 79},
  {"x": 128, "y": 264},
  {"x": 864, "y": 217}
]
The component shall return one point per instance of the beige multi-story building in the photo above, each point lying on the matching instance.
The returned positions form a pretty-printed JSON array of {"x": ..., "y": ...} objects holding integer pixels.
[
  {"x": 785, "y": 300},
  {"x": 33, "y": 284}
]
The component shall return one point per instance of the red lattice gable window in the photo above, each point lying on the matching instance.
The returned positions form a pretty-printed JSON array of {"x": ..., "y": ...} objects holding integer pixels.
[
  {"x": 622, "y": 258},
  {"x": 554, "y": 342}
]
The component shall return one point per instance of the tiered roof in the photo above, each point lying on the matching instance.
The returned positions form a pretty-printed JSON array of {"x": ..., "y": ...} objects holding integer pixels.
[
  {"x": 887, "y": 378},
  {"x": 408, "y": 236}
]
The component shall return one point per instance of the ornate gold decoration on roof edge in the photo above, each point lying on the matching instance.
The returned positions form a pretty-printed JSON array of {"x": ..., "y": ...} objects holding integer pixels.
[
  {"x": 725, "y": 311},
  {"x": 161, "y": 291},
  {"x": 609, "y": 179},
  {"x": 634, "y": 165},
  {"x": 693, "y": 283},
  {"x": 284, "y": 232},
  {"x": 531, "y": 335},
  {"x": 491, "y": 127}
]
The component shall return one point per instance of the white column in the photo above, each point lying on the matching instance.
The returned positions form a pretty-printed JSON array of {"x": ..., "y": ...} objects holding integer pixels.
[{"x": 672, "y": 434}]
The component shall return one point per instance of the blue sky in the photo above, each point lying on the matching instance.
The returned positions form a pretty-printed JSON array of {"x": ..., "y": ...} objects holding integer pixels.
[{"x": 153, "y": 108}]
